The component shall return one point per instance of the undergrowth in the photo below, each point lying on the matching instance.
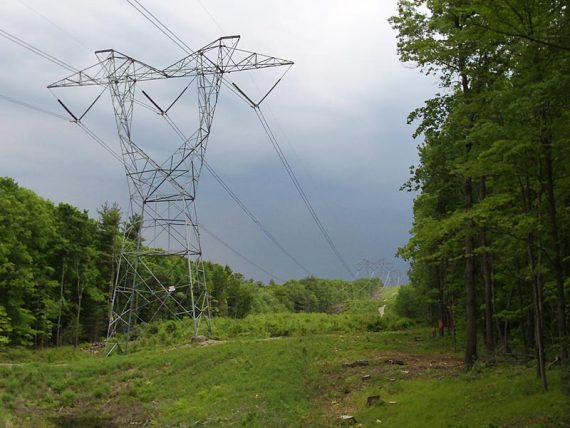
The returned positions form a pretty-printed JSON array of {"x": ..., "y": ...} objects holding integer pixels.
[{"x": 266, "y": 326}]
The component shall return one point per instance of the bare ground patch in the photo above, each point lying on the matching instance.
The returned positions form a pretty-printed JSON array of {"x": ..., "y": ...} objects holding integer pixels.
[
  {"x": 114, "y": 414},
  {"x": 384, "y": 369}
]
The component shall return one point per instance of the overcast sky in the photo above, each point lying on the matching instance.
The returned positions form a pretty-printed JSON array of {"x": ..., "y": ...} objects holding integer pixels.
[{"x": 339, "y": 115}]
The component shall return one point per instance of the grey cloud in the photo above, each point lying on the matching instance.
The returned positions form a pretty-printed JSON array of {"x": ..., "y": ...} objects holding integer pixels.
[{"x": 339, "y": 114}]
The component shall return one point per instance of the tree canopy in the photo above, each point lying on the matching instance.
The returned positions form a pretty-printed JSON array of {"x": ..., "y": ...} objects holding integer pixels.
[{"x": 491, "y": 233}]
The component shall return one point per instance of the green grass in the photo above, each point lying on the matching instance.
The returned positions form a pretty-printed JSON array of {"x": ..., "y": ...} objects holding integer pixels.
[
  {"x": 385, "y": 296},
  {"x": 504, "y": 396},
  {"x": 267, "y": 326},
  {"x": 254, "y": 380},
  {"x": 388, "y": 295}
]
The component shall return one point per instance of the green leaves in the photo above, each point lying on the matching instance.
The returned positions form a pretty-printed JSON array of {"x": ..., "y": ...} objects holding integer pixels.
[
  {"x": 42, "y": 248},
  {"x": 495, "y": 151},
  {"x": 5, "y": 326}
]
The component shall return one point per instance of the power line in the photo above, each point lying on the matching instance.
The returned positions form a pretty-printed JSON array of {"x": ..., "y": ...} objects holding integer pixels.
[
  {"x": 211, "y": 16},
  {"x": 32, "y": 107},
  {"x": 99, "y": 141},
  {"x": 268, "y": 131},
  {"x": 237, "y": 200},
  {"x": 225, "y": 244},
  {"x": 299, "y": 188},
  {"x": 159, "y": 25},
  {"x": 244, "y": 208},
  {"x": 35, "y": 50},
  {"x": 78, "y": 42}
]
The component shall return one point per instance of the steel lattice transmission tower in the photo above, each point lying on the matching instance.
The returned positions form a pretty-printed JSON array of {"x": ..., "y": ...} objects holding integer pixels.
[
  {"x": 163, "y": 194},
  {"x": 369, "y": 269}
]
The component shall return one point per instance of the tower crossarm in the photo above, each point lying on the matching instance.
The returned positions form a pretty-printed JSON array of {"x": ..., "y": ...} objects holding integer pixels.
[
  {"x": 253, "y": 61},
  {"x": 218, "y": 57},
  {"x": 112, "y": 67},
  {"x": 222, "y": 56}
]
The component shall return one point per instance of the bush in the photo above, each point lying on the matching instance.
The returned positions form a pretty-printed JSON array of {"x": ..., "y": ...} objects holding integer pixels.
[
  {"x": 409, "y": 303},
  {"x": 170, "y": 326},
  {"x": 268, "y": 325},
  {"x": 376, "y": 325}
]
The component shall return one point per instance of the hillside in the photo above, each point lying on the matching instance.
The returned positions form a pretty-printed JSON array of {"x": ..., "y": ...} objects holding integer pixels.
[{"x": 302, "y": 379}]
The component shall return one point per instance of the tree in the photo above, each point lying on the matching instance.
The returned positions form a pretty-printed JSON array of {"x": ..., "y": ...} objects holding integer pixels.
[
  {"x": 109, "y": 227},
  {"x": 27, "y": 230},
  {"x": 498, "y": 138}
]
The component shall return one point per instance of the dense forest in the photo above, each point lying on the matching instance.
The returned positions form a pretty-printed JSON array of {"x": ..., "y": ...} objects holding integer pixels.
[
  {"x": 490, "y": 245},
  {"x": 57, "y": 269}
]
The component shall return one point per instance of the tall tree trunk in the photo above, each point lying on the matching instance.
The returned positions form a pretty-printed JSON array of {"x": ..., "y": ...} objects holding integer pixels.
[
  {"x": 526, "y": 322},
  {"x": 61, "y": 287},
  {"x": 537, "y": 284},
  {"x": 534, "y": 261},
  {"x": 453, "y": 324},
  {"x": 487, "y": 270},
  {"x": 470, "y": 293},
  {"x": 442, "y": 307},
  {"x": 114, "y": 267},
  {"x": 505, "y": 338},
  {"x": 546, "y": 144},
  {"x": 79, "y": 298}
]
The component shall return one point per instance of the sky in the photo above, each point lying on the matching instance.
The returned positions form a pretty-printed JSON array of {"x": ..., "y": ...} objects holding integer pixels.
[{"x": 339, "y": 115}]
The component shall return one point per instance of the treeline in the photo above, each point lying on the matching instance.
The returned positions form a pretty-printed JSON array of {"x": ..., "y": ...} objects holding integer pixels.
[
  {"x": 58, "y": 265},
  {"x": 56, "y": 269},
  {"x": 490, "y": 246},
  {"x": 235, "y": 297}
]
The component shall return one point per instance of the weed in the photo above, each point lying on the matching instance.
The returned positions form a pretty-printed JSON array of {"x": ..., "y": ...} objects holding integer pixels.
[{"x": 68, "y": 398}]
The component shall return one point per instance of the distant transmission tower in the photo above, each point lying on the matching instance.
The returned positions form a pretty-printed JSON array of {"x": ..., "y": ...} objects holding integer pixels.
[
  {"x": 162, "y": 211},
  {"x": 368, "y": 269}
]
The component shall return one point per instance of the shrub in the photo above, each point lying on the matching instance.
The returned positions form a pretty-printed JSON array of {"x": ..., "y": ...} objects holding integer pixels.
[{"x": 409, "y": 303}]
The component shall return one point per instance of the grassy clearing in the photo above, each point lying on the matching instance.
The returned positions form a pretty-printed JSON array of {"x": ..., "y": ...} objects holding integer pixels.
[
  {"x": 299, "y": 380},
  {"x": 436, "y": 392},
  {"x": 385, "y": 296},
  {"x": 505, "y": 396},
  {"x": 251, "y": 382}
]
